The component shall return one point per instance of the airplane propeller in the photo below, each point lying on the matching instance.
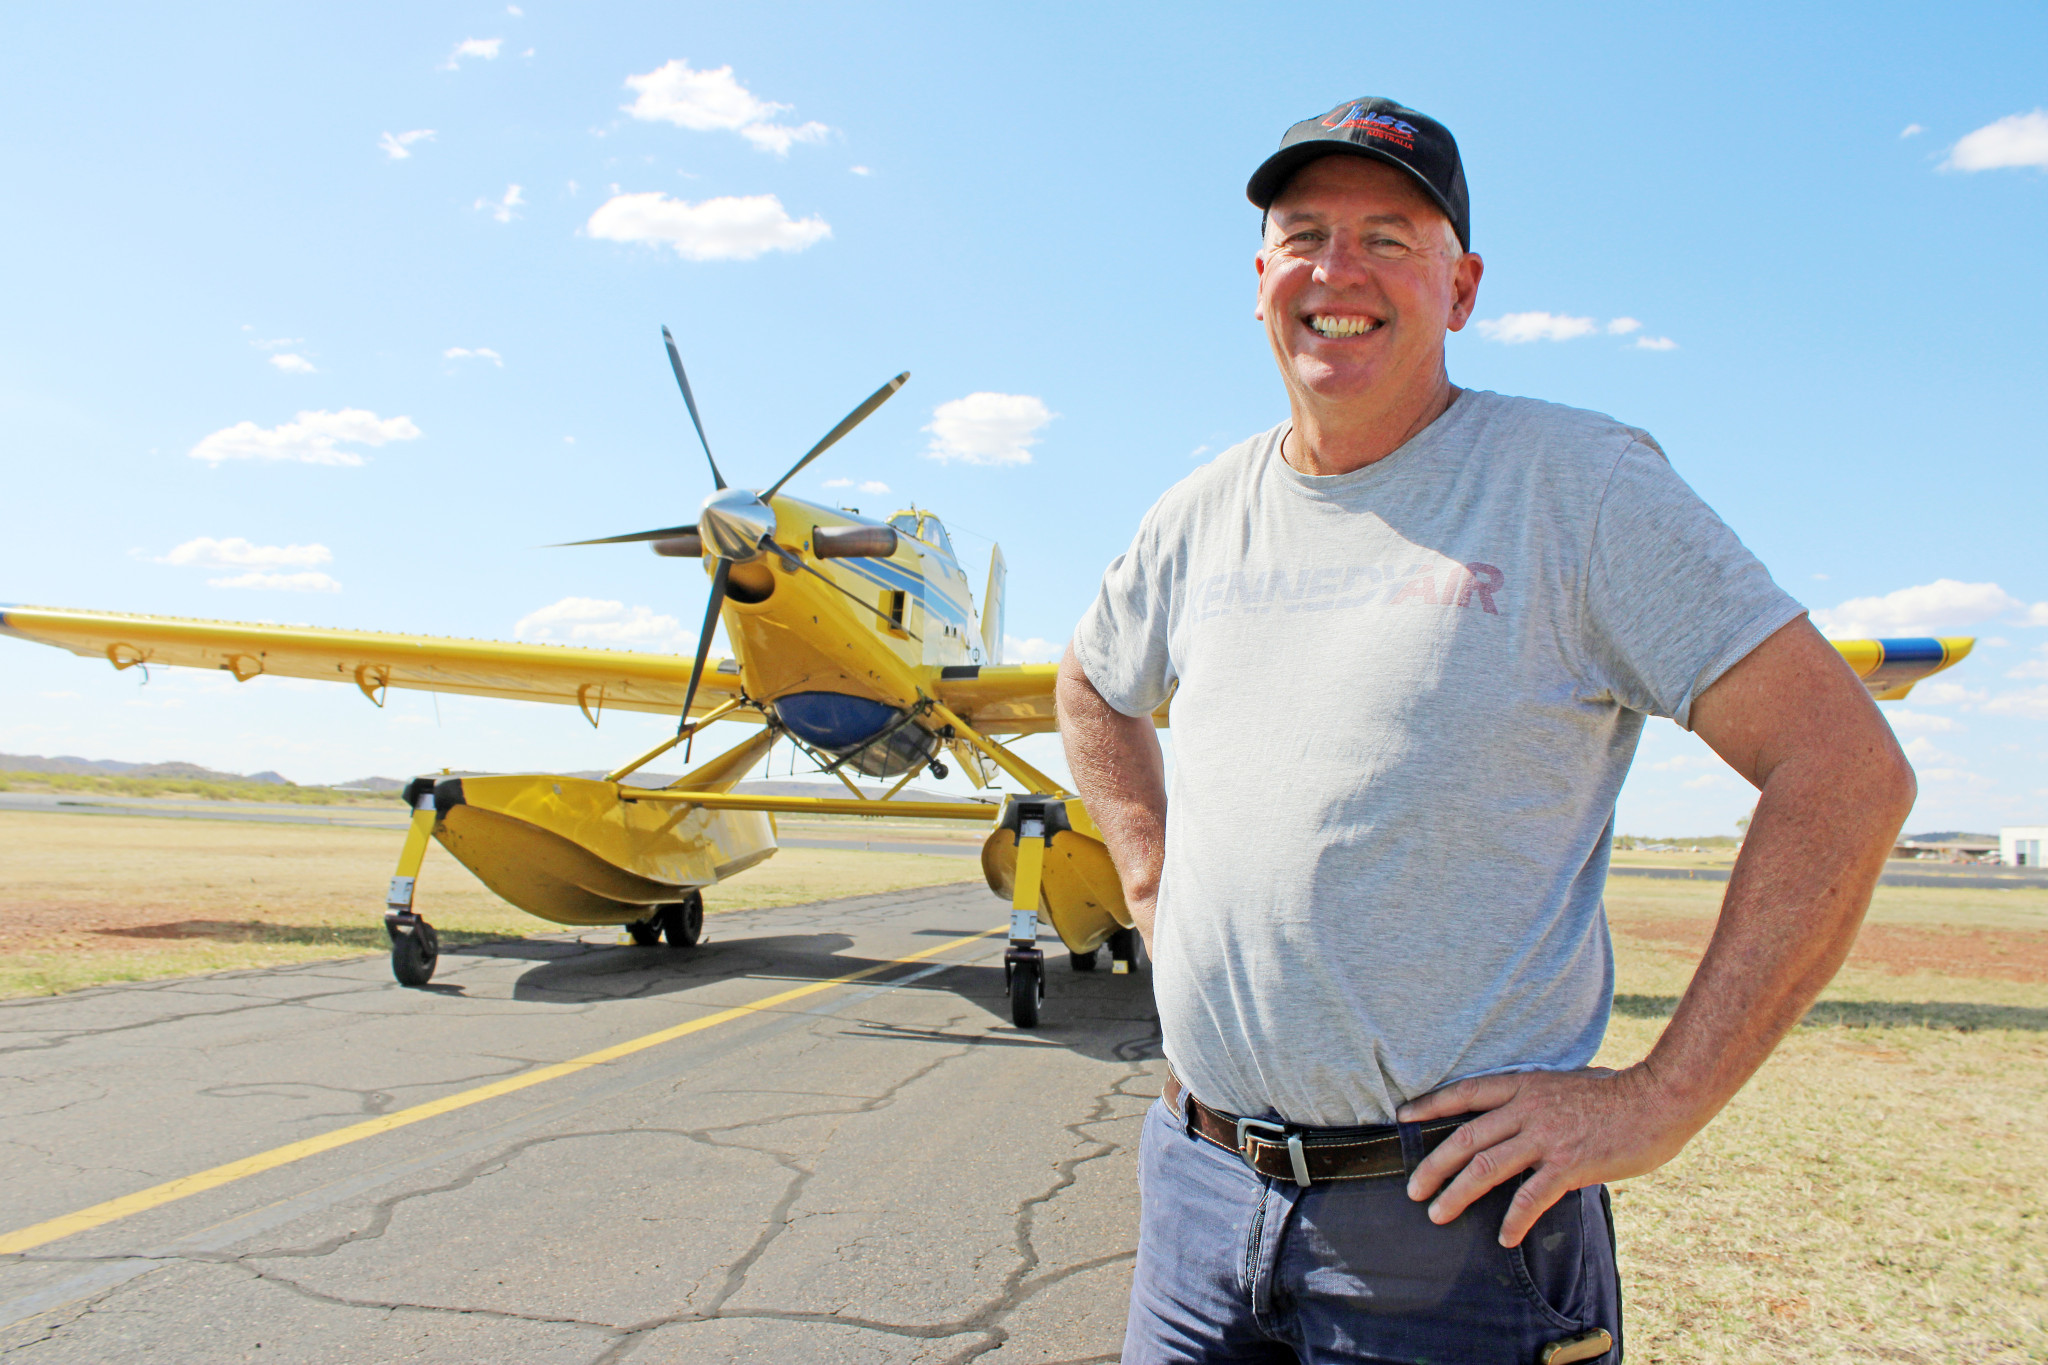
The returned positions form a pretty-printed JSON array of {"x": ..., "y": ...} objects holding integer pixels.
[{"x": 735, "y": 526}]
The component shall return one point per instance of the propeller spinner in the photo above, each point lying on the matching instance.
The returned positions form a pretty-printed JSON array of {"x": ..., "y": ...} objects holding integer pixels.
[{"x": 735, "y": 525}]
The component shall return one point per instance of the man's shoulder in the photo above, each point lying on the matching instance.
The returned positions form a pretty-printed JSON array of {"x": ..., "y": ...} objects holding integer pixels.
[
  {"x": 1225, "y": 479},
  {"x": 1554, "y": 430}
]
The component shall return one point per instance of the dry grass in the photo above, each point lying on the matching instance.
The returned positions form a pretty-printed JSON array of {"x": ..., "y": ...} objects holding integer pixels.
[
  {"x": 88, "y": 899},
  {"x": 1880, "y": 1191}
]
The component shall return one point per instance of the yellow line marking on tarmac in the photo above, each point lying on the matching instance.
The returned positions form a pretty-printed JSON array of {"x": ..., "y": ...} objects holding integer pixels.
[{"x": 113, "y": 1210}]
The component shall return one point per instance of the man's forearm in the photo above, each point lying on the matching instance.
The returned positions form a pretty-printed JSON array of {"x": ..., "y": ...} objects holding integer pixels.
[
  {"x": 1121, "y": 775},
  {"x": 1794, "y": 904}
]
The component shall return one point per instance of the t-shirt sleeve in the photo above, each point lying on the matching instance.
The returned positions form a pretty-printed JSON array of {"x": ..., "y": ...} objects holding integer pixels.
[
  {"x": 1673, "y": 600},
  {"x": 1121, "y": 642}
]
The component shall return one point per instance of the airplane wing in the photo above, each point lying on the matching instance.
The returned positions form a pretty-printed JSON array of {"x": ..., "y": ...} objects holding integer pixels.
[
  {"x": 1016, "y": 699},
  {"x": 1889, "y": 668},
  {"x": 1008, "y": 699},
  {"x": 597, "y": 680}
]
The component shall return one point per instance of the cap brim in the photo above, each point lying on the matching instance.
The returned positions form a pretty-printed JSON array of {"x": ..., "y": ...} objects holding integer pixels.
[{"x": 1276, "y": 170}]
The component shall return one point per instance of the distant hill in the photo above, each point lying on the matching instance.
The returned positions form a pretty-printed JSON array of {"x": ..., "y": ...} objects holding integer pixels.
[{"x": 106, "y": 767}]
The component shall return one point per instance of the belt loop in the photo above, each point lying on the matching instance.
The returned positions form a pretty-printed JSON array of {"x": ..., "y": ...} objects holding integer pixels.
[{"x": 1411, "y": 1146}]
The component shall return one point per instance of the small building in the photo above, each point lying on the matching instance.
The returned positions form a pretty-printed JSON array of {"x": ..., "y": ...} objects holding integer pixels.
[
  {"x": 1948, "y": 846},
  {"x": 2021, "y": 845}
]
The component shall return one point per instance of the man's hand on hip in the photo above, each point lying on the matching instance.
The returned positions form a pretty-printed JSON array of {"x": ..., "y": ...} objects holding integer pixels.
[{"x": 1567, "y": 1129}]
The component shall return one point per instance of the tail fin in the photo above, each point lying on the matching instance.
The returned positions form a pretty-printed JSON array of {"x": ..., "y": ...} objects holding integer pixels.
[{"x": 992, "y": 609}]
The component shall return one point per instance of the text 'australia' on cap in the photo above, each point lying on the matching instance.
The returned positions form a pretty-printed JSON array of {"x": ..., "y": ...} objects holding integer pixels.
[{"x": 1385, "y": 131}]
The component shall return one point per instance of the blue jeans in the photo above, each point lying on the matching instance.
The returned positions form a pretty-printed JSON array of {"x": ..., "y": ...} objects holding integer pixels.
[{"x": 1235, "y": 1267}]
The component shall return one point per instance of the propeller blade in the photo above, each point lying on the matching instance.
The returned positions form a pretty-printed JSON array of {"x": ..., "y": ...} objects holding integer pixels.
[
  {"x": 853, "y": 419},
  {"x": 675, "y": 361},
  {"x": 663, "y": 534},
  {"x": 711, "y": 607}
]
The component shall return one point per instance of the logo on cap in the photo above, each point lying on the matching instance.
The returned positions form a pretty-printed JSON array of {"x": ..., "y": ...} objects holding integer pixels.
[{"x": 1400, "y": 132}]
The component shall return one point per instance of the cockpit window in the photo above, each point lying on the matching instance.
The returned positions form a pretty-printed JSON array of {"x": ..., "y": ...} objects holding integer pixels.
[
  {"x": 935, "y": 534},
  {"x": 906, "y": 522}
]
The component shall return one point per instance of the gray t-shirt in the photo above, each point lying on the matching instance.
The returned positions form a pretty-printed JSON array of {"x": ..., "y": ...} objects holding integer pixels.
[{"x": 1406, "y": 699}]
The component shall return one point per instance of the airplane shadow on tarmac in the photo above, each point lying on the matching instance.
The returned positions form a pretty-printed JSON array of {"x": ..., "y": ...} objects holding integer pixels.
[{"x": 1093, "y": 1013}]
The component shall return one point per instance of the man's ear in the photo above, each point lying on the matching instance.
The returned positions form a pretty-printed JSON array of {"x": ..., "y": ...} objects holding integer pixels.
[
  {"x": 1259, "y": 269},
  {"x": 1465, "y": 287}
]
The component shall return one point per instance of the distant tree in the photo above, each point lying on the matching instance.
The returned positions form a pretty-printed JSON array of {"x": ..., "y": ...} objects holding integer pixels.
[{"x": 1742, "y": 825}]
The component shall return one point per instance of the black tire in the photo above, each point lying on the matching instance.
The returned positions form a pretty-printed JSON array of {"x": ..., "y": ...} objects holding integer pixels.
[
  {"x": 682, "y": 923},
  {"x": 1084, "y": 962},
  {"x": 1128, "y": 947},
  {"x": 414, "y": 954},
  {"x": 1027, "y": 990},
  {"x": 646, "y": 932}
]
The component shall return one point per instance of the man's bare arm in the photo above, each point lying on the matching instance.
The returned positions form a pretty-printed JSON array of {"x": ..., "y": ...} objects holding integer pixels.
[
  {"x": 1121, "y": 775},
  {"x": 1835, "y": 788}
]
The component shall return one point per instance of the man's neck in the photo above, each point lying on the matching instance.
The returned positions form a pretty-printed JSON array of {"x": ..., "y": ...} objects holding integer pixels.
[{"x": 1332, "y": 439}]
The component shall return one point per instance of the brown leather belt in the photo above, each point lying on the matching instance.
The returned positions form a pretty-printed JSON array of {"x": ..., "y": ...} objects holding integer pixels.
[{"x": 1307, "y": 1156}]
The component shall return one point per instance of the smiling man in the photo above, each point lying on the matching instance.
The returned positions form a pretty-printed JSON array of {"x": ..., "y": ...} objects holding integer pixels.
[{"x": 1412, "y": 634}]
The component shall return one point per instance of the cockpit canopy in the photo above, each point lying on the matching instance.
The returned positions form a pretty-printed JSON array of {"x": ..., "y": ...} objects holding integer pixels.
[{"x": 925, "y": 527}]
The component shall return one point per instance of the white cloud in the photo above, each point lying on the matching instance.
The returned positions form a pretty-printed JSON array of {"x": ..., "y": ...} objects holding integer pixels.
[
  {"x": 1198, "y": 452},
  {"x": 1032, "y": 651},
  {"x": 1617, "y": 327},
  {"x": 727, "y": 229},
  {"x": 1918, "y": 722},
  {"x": 987, "y": 428},
  {"x": 2015, "y": 140},
  {"x": 486, "y": 48},
  {"x": 860, "y": 170},
  {"x": 205, "y": 552},
  {"x": 398, "y": 146},
  {"x": 312, "y": 439},
  {"x": 292, "y": 364},
  {"x": 501, "y": 209},
  {"x": 1911, "y": 130},
  {"x": 874, "y": 486},
  {"x": 278, "y": 582},
  {"x": 2032, "y": 703},
  {"x": 1928, "y": 609},
  {"x": 1516, "y": 328},
  {"x": 480, "y": 353},
  {"x": 1947, "y": 694},
  {"x": 592, "y": 621},
  {"x": 2032, "y": 668},
  {"x": 1656, "y": 344},
  {"x": 711, "y": 101}
]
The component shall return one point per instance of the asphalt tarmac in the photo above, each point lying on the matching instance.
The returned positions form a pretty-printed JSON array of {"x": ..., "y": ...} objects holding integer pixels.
[{"x": 814, "y": 1138}]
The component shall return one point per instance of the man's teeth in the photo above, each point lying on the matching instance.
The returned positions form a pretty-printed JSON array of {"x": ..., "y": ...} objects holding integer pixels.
[{"x": 1342, "y": 327}]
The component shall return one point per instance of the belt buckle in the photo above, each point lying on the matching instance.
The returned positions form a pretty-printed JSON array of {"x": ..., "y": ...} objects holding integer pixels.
[{"x": 1296, "y": 1158}]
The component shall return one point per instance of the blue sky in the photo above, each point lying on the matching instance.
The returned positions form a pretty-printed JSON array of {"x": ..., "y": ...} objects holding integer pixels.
[{"x": 337, "y": 314}]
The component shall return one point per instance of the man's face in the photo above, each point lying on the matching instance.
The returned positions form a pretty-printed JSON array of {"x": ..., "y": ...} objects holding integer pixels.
[{"x": 1359, "y": 278}]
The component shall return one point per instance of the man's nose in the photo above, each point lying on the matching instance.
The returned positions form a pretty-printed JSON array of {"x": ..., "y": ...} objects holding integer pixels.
[{"x": 1343, "y": 260}]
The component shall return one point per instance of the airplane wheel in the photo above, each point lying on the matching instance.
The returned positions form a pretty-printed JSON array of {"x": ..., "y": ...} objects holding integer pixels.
[
  {"x": 647, "y": 932},
  {"x": 1084, "y": 962},
  {"x": 414, "y": 954},
  {"x": 1027, "y": 991},
  {"x": 683, "y": 922},
  {"x": 1127, "y": 948}
]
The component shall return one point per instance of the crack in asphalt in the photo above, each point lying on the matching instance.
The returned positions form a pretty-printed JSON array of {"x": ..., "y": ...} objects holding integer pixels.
[{"x": 987, "y": 1324}]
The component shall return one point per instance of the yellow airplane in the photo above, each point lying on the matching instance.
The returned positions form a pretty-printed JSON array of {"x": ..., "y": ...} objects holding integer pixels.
[{"x": 856, "y": 639}]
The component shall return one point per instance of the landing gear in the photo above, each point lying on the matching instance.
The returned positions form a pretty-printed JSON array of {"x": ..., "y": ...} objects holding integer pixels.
[
  {"x": 939, "y": 770},
  {"x": 415, "y": 948},
  {"x": 1025, "y": 968},
  {"x": 1127, "y": 951},
  {"x": 682, "y": 923},
  {"x": 1085, "y": 962},
  {"x": 646, "y": 932}
]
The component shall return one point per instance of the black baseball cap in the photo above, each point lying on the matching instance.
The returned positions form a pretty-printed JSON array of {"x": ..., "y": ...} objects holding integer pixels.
[{"x": 1385, "y": 131}]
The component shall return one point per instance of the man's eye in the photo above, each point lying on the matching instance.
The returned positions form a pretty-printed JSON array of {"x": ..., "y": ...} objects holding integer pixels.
[{"x": 1387, "y": 246}]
